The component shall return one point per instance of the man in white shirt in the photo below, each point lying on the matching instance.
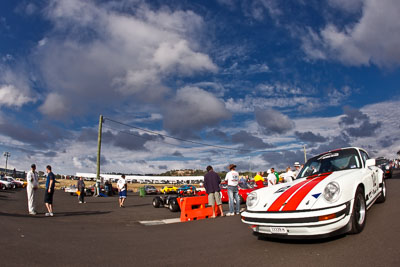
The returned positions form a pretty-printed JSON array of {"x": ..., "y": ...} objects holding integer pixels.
[
  {"x": 122, "y": 190},
  {"x": 289, "y": 175},
  {"x": 232, "y": 178},
  {"x": 32, "y": 179},
  {"x": 297, "y": 169},
  {"x": 271, "y": 178}
]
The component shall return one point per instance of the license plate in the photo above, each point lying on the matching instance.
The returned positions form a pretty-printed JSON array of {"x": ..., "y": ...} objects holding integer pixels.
[{"x": 278, "y": 230}]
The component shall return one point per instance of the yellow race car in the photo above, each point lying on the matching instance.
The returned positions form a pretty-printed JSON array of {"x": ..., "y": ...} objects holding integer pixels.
[{"x": 168, "y": 190}]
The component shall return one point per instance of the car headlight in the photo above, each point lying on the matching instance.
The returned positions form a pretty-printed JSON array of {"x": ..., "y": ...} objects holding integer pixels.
[
  {"x": 387, "y": 167},
  {"x": 252, "y": 199},
  {"x": 331, "y": 192}
]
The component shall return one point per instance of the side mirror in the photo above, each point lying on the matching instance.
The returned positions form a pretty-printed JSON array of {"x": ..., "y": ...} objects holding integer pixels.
[{"x": 370, "y": 162}]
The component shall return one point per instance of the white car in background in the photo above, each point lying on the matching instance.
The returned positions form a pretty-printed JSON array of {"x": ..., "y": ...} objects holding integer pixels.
[
  {"x": 7, "y": 184},
  {"x": 330, "y": 196}
]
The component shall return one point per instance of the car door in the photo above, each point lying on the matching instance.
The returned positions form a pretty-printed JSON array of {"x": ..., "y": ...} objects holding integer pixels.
[{"x": 371, "y": 180}]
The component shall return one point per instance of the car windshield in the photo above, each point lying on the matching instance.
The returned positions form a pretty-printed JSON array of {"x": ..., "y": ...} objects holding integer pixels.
[
  {"x": 245, "y": 186},
  {"x": 223, "y": 186},
  {"x": 332, "y": 161},
  {"x": 381, "y": 162}
]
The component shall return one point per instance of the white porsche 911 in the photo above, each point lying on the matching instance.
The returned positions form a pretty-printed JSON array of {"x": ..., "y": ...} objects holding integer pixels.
[{"x": 330, "y": 196}]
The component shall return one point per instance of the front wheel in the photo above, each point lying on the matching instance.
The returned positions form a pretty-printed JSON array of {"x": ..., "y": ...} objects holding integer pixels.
[
  {"x": 382, "y": 197},
  {"x": 156, "y": 202},
  {"x": 359, "y": 214},
  {"x": 173, "y": 206}
]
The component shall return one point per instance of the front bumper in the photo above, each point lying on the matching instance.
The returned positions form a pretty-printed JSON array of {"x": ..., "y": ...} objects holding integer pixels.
[{"x": 305, "y": 223}]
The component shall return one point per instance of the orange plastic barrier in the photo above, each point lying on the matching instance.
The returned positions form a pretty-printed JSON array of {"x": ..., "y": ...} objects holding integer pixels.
[{"x": 194, "y": 208}]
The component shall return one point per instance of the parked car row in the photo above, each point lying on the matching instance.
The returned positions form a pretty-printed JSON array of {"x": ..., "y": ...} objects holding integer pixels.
[{"x": 9, "y": 182}]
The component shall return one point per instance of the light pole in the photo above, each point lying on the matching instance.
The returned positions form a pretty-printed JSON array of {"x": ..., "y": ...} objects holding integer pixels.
[{"x": 7, "y": 155}]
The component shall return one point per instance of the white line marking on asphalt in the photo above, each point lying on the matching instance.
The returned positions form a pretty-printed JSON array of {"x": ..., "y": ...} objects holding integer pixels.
[{"x": 159, "y": 222}]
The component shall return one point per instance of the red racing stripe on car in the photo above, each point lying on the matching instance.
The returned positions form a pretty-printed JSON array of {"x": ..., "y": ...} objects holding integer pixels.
[
  {"x": 285, "y": 196},
  {"x": 295, "y": 201}
]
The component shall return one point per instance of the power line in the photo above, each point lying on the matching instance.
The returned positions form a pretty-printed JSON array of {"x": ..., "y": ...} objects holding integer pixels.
[
  {"x": 178, "y": 138},
  {"x": 148, "y": 139},
  {"x": 190, "y": 141}
]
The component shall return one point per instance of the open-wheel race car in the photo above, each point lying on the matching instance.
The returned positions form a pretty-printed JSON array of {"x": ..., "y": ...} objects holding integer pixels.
[
  {"x": 330, "y": 196},
  {"x": 171, "y": 201}
]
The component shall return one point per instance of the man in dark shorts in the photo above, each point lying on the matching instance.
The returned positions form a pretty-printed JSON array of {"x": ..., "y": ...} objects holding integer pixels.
[
  {"x": 211, "y": 184},
  {"x": 48, "y": 195},
  {"x": 122, "y": 186}
]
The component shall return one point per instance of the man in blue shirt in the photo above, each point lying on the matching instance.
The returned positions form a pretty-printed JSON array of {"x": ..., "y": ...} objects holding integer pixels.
[{"x": 48, "y": 195}]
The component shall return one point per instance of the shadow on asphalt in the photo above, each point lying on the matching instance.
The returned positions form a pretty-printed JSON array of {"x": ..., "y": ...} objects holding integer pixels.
[
  {"x": 139, "y": 205},
  {"x": 10, "y": 191},
  {"x": 301, "y": 241},
  {"x": 61, "y": 214}
]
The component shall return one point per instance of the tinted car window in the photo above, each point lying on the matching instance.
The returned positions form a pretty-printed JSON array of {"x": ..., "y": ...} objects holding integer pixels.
[{"x": 332, "y": 161}]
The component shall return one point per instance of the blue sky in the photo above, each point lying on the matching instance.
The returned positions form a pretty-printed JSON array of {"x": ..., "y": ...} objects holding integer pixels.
[{"x": 261, "y": 77}]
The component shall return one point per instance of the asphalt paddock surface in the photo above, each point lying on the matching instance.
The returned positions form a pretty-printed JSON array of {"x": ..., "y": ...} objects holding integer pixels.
[{"x": 100, "y": 233}]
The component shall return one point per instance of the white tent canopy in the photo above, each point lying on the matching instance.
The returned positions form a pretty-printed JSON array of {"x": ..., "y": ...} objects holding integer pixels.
[{"x": 139, "y": 178}]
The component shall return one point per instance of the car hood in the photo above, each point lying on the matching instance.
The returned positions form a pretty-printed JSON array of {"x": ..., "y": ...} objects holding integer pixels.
[{"x": 300, "y": 194}]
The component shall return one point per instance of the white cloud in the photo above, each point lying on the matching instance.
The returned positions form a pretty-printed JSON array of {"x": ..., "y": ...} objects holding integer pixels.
[
  {"x": 10, "y": 96},
  {"x": 14, "y": 88},
  {"x": 372, "y": 40},
  {"x": 128, "y": 55},
  {"x": 273, "y": 121},
  {"x": 54, "y": 106},
  {"x": 178, "y": 56},
  {"x": 192, "y": 109}
]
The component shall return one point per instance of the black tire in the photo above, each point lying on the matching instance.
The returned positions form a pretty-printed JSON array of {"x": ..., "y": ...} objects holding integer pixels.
[
  {"x": 241, "y": 199},
  {"x": 359, "y": 212},
  {"x": 3, "y": 187},
  {"x": 156, "y": 202},
  {"x": 382, "y": 197},
  {"x": 173, "y": 206}
]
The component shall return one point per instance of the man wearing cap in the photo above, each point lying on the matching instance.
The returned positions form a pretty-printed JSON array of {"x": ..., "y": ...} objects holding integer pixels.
[
  {"x": 297, "y": 169},
  {"x": 32, "y": 179},
  {"x": 232, "y": 178},
  {"x": 211, "y": 184}
]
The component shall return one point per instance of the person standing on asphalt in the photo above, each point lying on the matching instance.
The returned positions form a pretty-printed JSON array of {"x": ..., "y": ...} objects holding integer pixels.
[
  {"x": 122, "y": 190},
  {"x": 289, "y": 175},
  {"x": 48, "y": 194},
  {"x": 259, "y": 180},
  {"x": 32, "y": 179},
  {"x": 211, "y": 184},
  {"x": 276, "y": 175},
  {"x": 271, "y": 178},
  {"x": 232, "y": 178},
  {"x": 297, "y": 169},
  {"x": 81, "y": 189}
]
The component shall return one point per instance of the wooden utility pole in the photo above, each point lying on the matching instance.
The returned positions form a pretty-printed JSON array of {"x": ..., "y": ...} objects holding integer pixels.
[
  {"x": 101, "y": 120},
  {"x": 7, "y": 155}
]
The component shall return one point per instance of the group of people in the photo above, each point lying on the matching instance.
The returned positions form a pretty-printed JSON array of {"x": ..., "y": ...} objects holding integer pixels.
[
  {"x": 212, "y": 183},
  {"x": 32, "y": 179},
  {"x": 274, "y": 178}
]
